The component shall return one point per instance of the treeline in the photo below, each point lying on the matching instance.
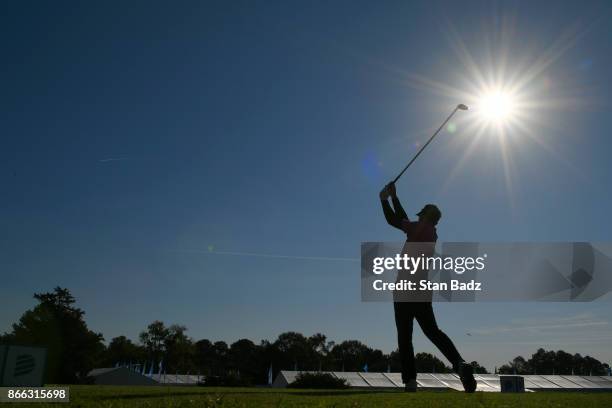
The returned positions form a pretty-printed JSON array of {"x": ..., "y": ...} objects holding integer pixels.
[
  {"x": 250, "y": 361},
  {"x": 555, "y": 362},
  {"x": 73, "y": 349}
]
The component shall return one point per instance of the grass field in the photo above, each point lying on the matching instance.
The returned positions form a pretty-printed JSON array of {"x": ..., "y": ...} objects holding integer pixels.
[{"x": 112, "y": 396}]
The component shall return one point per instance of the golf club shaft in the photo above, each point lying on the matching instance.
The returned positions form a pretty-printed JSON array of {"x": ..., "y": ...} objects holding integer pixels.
[{"x": 425, "y": 145}]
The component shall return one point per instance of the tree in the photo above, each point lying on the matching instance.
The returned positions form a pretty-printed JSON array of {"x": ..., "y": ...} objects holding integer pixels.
[
  {"x": 517, "y": 366},
  {"x": 353, "y": 355},
  {"x": 246, "y": 361},
  {"x": 564, "y": 362},
  {"x": 318, "y": 348},
  {"x": 170, "y": 345},
  {"x": 428, "y": 363},
  {"x": 121, "y": 350},
  {"x": 204, "y": 356},
  {"x": 478, "y": 369},
  {"x": 179, "y": 349},
  {"x": 154, "y": 340},
  {"x": 219, "y": 358},
  {"x": 55, "y": 323},
  {"x": 395, "y": 361},
  {"x": 551, "y": 362},
  {"x": 294, "y": 352},
  {"x": 588, "y": 365},
  {"x": 212, "y": 358},
  {"x": 543, "y": 361}
]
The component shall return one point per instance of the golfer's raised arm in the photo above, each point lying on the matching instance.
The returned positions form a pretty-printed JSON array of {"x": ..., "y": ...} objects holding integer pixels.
[
  {"x": 391, "y": 216},
  {"x": 397, "y": 206}
]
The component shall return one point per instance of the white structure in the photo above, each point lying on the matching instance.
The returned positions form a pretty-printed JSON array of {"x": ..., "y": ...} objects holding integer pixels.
[
  {"x": 125, "y": 376},
  {"x": 119, "y": 376},
  {"x": 176, "y": 379},
  {"x": 486, "y": 382}
]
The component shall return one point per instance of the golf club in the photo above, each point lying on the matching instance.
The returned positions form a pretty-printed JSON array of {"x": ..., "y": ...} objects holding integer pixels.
[{"x": 458, "y": 107}]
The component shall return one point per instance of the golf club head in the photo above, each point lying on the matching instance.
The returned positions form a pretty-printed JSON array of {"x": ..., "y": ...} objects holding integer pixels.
[{"x": 462, "y": 106}]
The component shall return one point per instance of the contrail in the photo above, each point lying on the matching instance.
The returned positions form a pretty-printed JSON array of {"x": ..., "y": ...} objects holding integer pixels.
[
  {"x": 276, "y": 256},
  {"x": 110, "y": 159}
]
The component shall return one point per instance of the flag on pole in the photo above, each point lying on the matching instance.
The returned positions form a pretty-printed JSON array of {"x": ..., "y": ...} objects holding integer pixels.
[{"x": 270, "y": 374}]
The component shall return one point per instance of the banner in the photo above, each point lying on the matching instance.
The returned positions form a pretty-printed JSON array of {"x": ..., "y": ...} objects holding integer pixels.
[
  {"x": 474, "y": 272},
  {"x": 22, "y": 366}
]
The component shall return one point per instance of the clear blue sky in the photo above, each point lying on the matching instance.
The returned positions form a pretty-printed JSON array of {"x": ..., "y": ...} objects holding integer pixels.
[{"x": 135, "y": 134}]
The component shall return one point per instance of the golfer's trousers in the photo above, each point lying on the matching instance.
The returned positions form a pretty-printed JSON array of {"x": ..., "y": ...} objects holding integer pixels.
[{"x": 405, "y": 313}]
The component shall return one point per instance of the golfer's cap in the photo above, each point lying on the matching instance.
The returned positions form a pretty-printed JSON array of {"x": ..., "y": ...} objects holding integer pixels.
[{"x": 432, "y": 212}]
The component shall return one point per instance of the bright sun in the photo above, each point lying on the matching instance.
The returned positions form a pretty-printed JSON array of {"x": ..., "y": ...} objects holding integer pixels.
[
  {"x": 496, "y": 106},
  {"x": 512, "y": 92}
]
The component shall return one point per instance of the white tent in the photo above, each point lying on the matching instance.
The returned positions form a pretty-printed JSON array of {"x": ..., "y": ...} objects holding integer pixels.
[
  {"x": 119, "y": 376},
  {"x": 486, "y": 382}
]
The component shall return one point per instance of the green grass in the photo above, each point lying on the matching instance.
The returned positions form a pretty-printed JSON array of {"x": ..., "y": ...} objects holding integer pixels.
[{"x": 152, "y": 397}]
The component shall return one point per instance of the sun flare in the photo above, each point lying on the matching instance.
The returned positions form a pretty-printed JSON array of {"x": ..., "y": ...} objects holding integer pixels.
[
  {"x": 496, "y": 106},
  {"x": 514, "y": 92}
]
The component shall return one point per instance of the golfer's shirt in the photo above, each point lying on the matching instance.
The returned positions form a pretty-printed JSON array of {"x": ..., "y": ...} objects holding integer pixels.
[{"x": 421, "y": 237}]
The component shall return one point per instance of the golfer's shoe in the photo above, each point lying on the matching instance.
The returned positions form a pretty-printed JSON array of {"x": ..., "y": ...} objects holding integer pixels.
[
  {"x": 466, "y": 374},
  {"x": 410, "y": 386}
]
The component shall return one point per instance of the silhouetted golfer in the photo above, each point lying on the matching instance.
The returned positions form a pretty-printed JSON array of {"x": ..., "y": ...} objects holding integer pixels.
[{"x": 422, "y": 231}]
